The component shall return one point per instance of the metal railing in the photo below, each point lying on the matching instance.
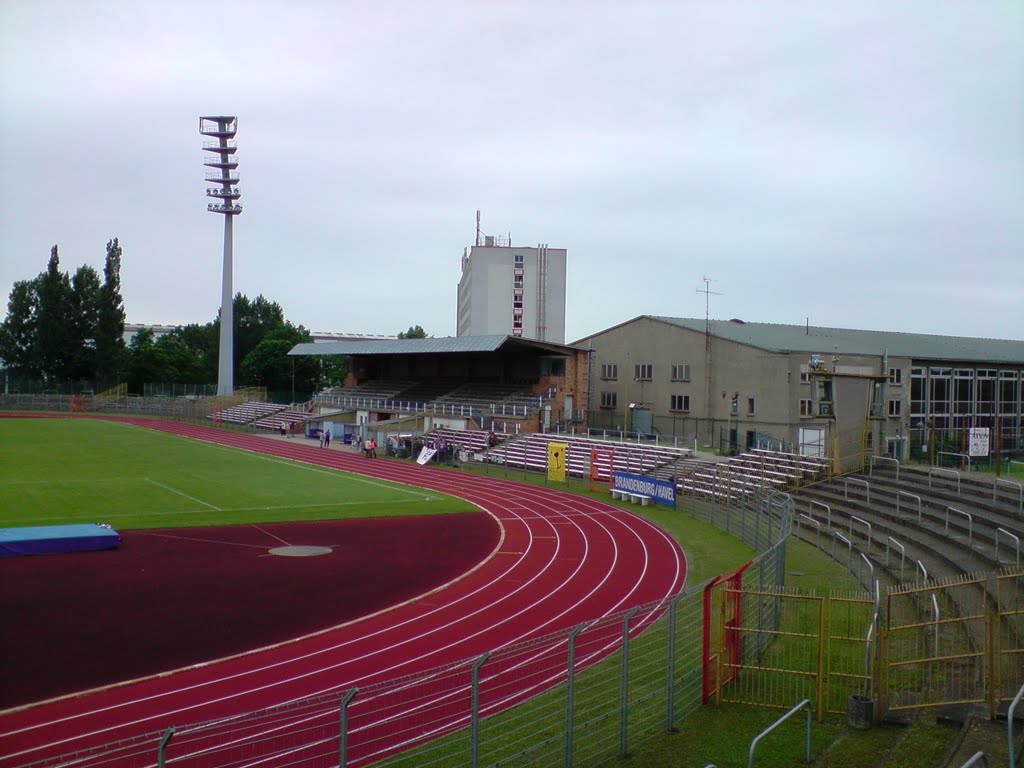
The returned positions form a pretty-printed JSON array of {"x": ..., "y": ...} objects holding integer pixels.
[
  {"x": 915, "y": 497},
  {"x": 1012, "y": 484},
  {"x": 882, "y": 459},
  {"x": 1016, "y": 542},
  {"x": 970, "y": 523},
  {"x": 941, "y": 471},
  {"x": 1010, "y": 714},
  {"x": 856, "y": 481},
  {"x": 805, "y": 704}
]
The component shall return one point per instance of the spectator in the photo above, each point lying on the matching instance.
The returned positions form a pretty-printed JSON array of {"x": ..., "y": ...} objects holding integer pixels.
[{"x": 327, "y": 439}]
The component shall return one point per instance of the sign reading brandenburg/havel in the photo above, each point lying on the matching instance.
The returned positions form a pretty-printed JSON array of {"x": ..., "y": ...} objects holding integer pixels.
[{"x": 661, "y": 491}]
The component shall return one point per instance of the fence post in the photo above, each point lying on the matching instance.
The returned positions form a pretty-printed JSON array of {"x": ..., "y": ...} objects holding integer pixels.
[
  {"x": 474, "y": 730},
  {"x": 164, "y": 741},
  {"x": 624, "y": 680},
  {"x": 570, "y": 691},
  {"x": 343, "y": 740},
  {"x": 671, "y": 692}
]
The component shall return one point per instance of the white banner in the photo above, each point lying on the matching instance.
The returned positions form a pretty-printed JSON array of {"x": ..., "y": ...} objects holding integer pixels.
[{"x": 426, "y": 454}]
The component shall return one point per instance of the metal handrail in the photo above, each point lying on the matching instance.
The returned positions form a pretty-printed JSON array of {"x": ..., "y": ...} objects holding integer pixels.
[
  {"x": 846, "y": 488},
  {"x": 828, "y": 510},
  {"x": 913, "y": 496},
  {"x": 862, "y": 521},
  {"x": 753, "y": 745},
  {"x": 932, "y": 470},
  {"x": 1013, "y": 536},
  {"x": 871, "y": 465},
  {"x": 903, "y": 554},
  {"x": 970, "y": 523},
  {"x": 817, "y": 526},
  {"x": 974, "y": 760},
  {"x": 860, "y": 570},
  {"x": 1013, "y": 483},
  {"x": 849, "y": 545}
]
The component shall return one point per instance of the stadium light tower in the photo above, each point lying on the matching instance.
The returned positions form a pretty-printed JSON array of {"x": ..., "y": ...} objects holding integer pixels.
[{"x": 222, "y": 157}]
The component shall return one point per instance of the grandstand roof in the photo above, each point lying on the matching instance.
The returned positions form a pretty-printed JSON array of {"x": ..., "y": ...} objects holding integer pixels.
[
  {"x": 429, "y": 346},
  {"x": 811, "y": 339}
]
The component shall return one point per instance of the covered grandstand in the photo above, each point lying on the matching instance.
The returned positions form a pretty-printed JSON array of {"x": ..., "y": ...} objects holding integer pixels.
[{"x": 497, "y": 383}]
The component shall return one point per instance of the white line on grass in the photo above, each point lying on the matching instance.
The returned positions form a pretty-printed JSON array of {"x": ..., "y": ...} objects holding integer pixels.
[
  {"x": 177, "y": 512},
  {"x": 336, "y": 473},
  {"x": 182, "y": 493}
]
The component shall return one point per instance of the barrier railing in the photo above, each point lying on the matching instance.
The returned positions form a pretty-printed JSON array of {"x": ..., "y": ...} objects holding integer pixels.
[
  {"x": 903, "y": 553},
  {"x": 915, "y": 497},
  {"x": 970, "y": 523},
  {"x": 1010, "y": 716},
  {"x": 865, "y": 523},
  {"x": 1011, "y": 484},
  {"x": 1016, "y": 542},
  {"x": 805, "y": 704},
  {"x": 856, "y": 481},
  {"x": 883, "y": 460},
  {"x": 932, "y": 471}
]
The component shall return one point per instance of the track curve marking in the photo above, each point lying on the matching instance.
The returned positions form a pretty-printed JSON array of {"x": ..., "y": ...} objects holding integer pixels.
[{"x": 562, "y": 559}]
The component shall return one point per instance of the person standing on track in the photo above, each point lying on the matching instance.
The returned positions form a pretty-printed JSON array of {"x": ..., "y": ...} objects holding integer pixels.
[{"x": 327, "y": 439}]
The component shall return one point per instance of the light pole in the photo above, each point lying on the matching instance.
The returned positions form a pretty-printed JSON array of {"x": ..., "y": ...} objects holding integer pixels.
[{"x": 222, "y": 157}]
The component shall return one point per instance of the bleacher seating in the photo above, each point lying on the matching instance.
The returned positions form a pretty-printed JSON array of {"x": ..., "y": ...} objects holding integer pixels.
[
  {"x": 283, "y": 419},
  {"x": 247, "y": 413}
]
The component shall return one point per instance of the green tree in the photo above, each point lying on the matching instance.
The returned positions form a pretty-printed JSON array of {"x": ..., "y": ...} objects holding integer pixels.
[
  {"x": 18, "y": 331},
  {"x": 109, "y": 336},
  {"x": 53, "y": 327},
  {"x": 176, "y": 362},
  {"x": 83, "y": 312},
  {"x": 141, "y": 363},
  {"x": 414, "y": 332}
]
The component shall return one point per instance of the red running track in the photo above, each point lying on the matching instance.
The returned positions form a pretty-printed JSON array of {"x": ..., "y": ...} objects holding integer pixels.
[{"x": 561, "y": 559}]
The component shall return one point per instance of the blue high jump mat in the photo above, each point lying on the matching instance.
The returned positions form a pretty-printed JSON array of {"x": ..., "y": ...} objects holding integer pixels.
[{"x": 50, "y": 539}]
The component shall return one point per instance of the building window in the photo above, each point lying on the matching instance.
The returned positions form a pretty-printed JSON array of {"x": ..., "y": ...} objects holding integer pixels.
[
  {"x": 806, "y": 407},
  {"x": 609, "y": 399},
  {"x": 680, "y": 403},
  {"x": 610, "y": 371},
  {"x": 643, "y": 371},
  {"x": 519, "y": 259},
  {"x": 680, "y": 372},
  {"x": 805, "y": 377},
  {"x": 750, "y": 406},
  {"x": 895, "y": 407},
  {"x": 896, "y": 376}
]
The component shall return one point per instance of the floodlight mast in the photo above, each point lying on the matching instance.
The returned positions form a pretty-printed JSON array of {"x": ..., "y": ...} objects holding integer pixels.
[{"x": 222, "y": 157}]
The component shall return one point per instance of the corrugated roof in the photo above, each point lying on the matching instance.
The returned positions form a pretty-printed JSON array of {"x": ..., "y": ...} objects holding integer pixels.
[
  {"x": 801, "y": 338},
  {"x": 429, "y": 346}
]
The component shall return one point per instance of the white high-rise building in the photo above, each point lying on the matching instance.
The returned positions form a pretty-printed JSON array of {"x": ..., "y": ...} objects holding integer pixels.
[{"x": 512, "y": 291}]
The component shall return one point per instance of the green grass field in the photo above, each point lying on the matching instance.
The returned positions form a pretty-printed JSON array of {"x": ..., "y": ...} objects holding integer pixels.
[{"x": 56, "y": 471}]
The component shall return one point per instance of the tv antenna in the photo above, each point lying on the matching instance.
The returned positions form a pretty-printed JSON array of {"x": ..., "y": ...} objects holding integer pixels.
[{"x": 708, "y": 293}]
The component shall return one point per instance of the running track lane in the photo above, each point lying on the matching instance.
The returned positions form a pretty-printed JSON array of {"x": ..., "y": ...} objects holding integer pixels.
[{"x": 561, "y": 559}]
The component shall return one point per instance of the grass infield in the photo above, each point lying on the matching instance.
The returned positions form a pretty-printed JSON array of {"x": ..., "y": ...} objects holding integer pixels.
[{"x": 56, "y": 471}]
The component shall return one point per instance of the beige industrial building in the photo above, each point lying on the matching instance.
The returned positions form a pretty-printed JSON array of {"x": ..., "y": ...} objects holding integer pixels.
[{"x": 730, "y": 384}]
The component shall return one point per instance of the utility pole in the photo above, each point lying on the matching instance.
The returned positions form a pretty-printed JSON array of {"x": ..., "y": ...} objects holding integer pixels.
[{"x": 708, "y": 293}]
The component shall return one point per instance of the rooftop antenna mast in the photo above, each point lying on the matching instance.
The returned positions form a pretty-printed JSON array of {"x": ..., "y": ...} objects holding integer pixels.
[
  {"x": 708, "y": 293},
  {"x": 478, "y": 227}
]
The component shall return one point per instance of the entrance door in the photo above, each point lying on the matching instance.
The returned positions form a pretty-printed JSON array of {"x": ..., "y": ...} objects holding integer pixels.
[{"x": 643, "y": 421}]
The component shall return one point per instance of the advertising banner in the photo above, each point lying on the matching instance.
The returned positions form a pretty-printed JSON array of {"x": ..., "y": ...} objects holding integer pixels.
[
  {"x": 660, "y": 491},
  {"x": 556, "y": 461}
]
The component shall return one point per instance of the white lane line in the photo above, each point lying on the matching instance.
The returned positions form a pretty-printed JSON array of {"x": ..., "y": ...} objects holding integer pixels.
[
  {"x": 268, "y": 533},
  {"x": 182, "y": 493},
  {"x": 468, "y": 486}
]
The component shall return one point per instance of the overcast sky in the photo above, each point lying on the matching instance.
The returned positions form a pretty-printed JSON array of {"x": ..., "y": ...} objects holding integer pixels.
[{"x": 860, "y": 164}]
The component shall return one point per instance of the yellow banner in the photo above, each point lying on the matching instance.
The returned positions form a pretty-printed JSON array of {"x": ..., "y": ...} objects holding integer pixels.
[{"x": 556, "y": 461}]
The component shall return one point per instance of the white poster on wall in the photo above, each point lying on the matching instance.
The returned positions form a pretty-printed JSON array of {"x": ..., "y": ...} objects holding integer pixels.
[{"x": 977, "y": 441}]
